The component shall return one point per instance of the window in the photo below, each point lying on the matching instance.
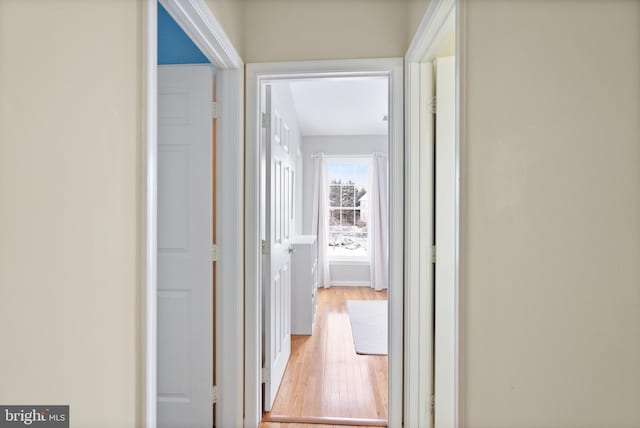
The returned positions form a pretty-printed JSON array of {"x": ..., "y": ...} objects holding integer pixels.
[{"x": 348, "y": 208}]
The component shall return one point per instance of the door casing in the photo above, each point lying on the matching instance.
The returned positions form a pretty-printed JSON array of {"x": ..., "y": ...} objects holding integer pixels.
[
  {"x": 256, "y": 76},
  {"x": 441, "y": 18}
]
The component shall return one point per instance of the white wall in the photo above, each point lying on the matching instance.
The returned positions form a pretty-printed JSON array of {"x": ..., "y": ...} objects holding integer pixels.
[
  {"x": 341, "y": 273},
  {"x": 550, "y": 296},
  {"x": 299, "y": 185},
  {"x": 69, "y": 208},
  {"x": 347, "y": 273},
  {"x": 294, "y": 30}
]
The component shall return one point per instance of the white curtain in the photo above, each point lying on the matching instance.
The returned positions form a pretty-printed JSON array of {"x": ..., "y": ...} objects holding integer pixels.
[
  {"x": 379, "y": 223},
  {"x": 319, "y": 225}
]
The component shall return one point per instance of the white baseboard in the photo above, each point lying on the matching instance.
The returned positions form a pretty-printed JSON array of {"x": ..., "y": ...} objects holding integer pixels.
[{"x": 350, "y": 283}]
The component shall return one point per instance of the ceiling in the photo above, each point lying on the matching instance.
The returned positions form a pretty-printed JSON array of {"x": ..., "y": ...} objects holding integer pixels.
[{"x": 341, "y": 106}]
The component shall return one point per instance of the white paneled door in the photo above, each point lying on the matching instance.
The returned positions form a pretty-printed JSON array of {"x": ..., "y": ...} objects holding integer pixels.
[
  {"x": 185, "y": 299},
  {"x": 445, "y": 137},
  {"x": 279, "y": 185}
]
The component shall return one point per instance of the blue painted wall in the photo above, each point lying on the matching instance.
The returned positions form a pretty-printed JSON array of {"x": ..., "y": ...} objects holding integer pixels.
[{"x": 174, "y": 46}]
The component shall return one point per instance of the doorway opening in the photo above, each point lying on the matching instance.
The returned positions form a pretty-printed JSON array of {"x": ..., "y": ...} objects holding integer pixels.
[
  {"x": 434, "y": 118},
  {"x": 192, "y": 142},
  {"x": 327, "y": 216},
  {"x": 186, "y": 229},
  {"x": 324, "y": 219}
]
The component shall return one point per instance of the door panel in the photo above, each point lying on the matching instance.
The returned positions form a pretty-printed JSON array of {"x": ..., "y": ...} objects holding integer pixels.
[
  {"x": 185, "y": 310},
  {"x": 173, "y": 200},
  {"x": 276, "y": 263}
]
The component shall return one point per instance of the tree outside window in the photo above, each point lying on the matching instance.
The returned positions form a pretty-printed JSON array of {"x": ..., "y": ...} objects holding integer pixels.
[{"x": 348, "y": 208}]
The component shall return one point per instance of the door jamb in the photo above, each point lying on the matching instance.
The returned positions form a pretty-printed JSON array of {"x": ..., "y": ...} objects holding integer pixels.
[
  {"x": 256, "y": 74},
  {"x": 196, "y": 19},
  {"x": 439, "y": 17}
]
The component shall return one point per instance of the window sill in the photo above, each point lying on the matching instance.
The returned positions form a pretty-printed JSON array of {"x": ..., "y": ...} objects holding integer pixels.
[{"x": 348, "y": 261}]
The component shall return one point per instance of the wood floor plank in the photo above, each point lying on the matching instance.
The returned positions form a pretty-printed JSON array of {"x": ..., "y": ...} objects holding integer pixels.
[
  {"x": 301, "y": 425},
  {"x": 316, "y": 420},
  {"x": 325, "y": 377}
]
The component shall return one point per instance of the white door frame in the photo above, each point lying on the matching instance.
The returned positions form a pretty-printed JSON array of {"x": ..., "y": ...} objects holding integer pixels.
[
  {"x": 256, "y": 75},
  {"x": 196, "y": 19},
  {"x": 440, "y": 18}
]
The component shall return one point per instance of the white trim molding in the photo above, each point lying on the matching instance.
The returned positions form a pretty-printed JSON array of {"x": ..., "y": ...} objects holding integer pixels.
[
  {"x": 149, "y": 208},
  {"x": 349, "y": 262},
  {"x": 441, "y": 18},
  {"x": 461, "y": 138},
  {"x": 200, "y": 25},
  {"x": 419, "y": 293},
  {"x": 197, "y": 21},
  {"x": 350, "y": 283},
  {"x": 257, "y": 75},
  {"x": 229, "y": 310}
]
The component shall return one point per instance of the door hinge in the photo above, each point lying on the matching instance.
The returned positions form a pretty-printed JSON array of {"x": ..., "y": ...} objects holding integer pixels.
[
  {"x": 433, "y": 254},
  {"x": 263, "y": 247},
  {"x": 266, "y": 120},
  {"x": 214, "y": 394},
  {"x": 432, "y": 105},
  {"x": 215, "y": 109},
  {"x": 214, "y": 253},
  {"x": 265, "y": 375},
  {"x": 432, "y": 404}
]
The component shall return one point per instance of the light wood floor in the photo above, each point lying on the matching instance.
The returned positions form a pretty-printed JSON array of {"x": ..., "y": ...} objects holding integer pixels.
[
  {"x": 325, "y": 377},
  {"x": 295, "y": 425}
]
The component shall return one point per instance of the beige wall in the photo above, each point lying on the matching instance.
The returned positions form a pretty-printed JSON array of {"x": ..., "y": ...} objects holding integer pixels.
[
  {"x": 551, "y": 210},
  {"x": 551, "y": 215},
  {"x": 295, "y": 30},
  {"x": 415, "y": 12},
  {"x": 230, "y": 15},
  {"x": 69, "y": 162}
]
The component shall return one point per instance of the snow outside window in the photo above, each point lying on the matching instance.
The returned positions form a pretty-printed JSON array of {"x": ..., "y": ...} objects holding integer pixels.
[{"x": 348, "y": 208}]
